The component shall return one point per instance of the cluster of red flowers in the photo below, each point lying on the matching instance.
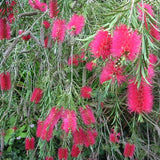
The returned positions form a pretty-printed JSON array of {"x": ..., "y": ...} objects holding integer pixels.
[
  {"x": 7, "y": 18},
  {"x": 69, "y": 123},
  {"x": 29, "y": 143}
]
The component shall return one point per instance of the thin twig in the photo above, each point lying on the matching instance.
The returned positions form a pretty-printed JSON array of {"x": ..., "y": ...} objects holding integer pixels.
[{"x": 27, "y": 14}]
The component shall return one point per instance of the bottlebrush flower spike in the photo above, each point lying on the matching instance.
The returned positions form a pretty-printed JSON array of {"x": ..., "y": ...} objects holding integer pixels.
[
  {"x": 75, "y": 151},
  {"x": 69, "y": 121},
  {"x": 5, "y": 81},
  {"x": 32, "y": 143},
  {"x": 63, "y": 153},
  {"x": 58, "y": 30},
  {"x": 129, "y": 150},
  {"x": 101, "y": 44},
  {"x": 78, "y": 136},
  {"x": 25, "y": 38},
  {"x": 87, "y": 115},
  {"x": 36, "y": 4},
  {"x": 90, "y": 137},
  {"x": 139, "y": 100},
  {"x": 114, "y": 137},
  {"x": 113, "y": 72},
  {"x": 46, "y": 24},
  {"x": 49, "y": 158},
  {"x": 49, "y": 123},
  {"x": 86, "y": 92},
  {"x": 5, "y": 29},
  {"x": 39, "y": 128},
  {"x": 152, "y": 60},
  {"x": 53, "y": 8},
  {"x": 76, "y": 24},
  {"x": 90, "y": 65},
  {"x": 37, "y": 95},
  {"x": 27, "y": 143},
  {"x": 154, "y": 32},
  {"x": 125, "y": 43},
  {"x": 75, "y": 60},
  {"x": 147, "y": 7}
]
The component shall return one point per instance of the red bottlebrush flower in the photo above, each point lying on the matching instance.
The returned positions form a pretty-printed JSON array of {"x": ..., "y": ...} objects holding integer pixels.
[
  {"x": 36, "y": 4},
  {"x": 90, "y": 137},
  {"x": 87, "y": 115},
  {"x": 114, "y": 137},
  {"x": 58, "y": 30},
  {"x": 139, "y": 100},
  {"x": 82, "y": 54},
  {"x": 129, "y": 150},
  {"x": 154, "y": 32},
  {"x": 39, "y": 128},
  {"x": 86, "y": 92},
  {"x": 147, "y": 8},
  {"x": 46, "y": 24},
  {"x": 27, "y": 143},
  {"x": 36, "y": 95},
  {"x": 90, "y": 65},
  {"x": 49, "y": 123},
  {"x": 125, "y": 43},
  {"x": 14, "y": 128},
  {"x": 76, "y": 24},
  {"x": 75, "y": 151},
  {"x": 5, "y": 29},
  {"x": 69, "y": 121},
  {"x": 25, "y": 38},
  {"x": 101, "y": 44},
  {"x": 112, "y": 72},
  {"x": 5, "y": 81},
  {"x": 53, "y": 116},
  {"x": 49, "y": 158},
  {"x": 11, "y": 18},
  {"x": 78, "y": 136},
  {"x": 152, "y": 60},
  {"x": 13, "y": 3},
  {"x": 32, "y": 143},
  {"x": 53, "y": 8},
  {"x": 63, "y": 153},
  {"x": 75, "y": 60}
]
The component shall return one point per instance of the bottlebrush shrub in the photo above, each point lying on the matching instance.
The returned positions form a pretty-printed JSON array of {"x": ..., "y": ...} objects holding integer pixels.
[{"x": 110, "y": 84}]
